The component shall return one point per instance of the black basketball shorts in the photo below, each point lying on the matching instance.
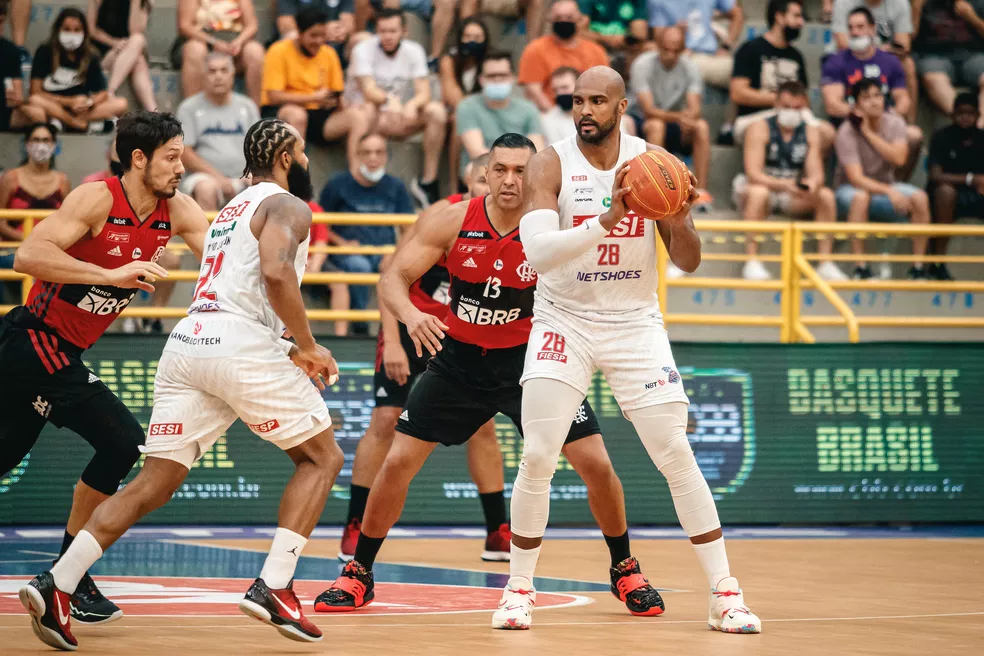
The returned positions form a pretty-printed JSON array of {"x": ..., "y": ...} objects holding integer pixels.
[{"x": 387, "y": 392}]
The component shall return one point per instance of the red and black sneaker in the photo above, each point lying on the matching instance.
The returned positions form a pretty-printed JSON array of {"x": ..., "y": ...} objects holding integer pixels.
[
  {"x": 51, "y": 612},
  {"x": 632, "y": 588},
  {"x": 281, "y": 610},
  {"x": 353, "y": 589},
  {"x": 497, "y": 545},
  {"x": 350, "y": 538}
]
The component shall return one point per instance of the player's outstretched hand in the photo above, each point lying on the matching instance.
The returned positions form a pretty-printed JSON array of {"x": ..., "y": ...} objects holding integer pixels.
[
  {"x": 426, "y": 331},
  {"x": 136, "y": 274},
  {"x": 617, "y": 210},
  {"x": 317, "y": 364},
  {"x": 396, "y": 363}
]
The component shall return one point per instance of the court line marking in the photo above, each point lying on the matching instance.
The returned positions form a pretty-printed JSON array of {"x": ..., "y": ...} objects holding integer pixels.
[{"x": 38, "y": 553}]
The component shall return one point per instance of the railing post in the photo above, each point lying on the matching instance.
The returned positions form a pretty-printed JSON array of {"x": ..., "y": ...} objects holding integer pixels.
[
  {"x": 28, "y": 282},
  {"x": 786, "y": 332},
  {"x": 662, "y": 289},
  {"x": 793, "y": 288}
]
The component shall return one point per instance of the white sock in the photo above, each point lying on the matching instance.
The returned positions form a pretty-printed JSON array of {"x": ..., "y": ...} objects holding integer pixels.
[
  {"x": 714, "y": 560},
  {"x": 71, "y": 567},
  {"x": 281, "y": 562},
  {"x": 522, "y": 562}
]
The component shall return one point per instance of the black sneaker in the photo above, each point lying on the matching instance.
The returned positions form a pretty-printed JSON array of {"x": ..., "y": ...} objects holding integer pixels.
[
  {"x": 50, "y": 612},
  {"x": 862, "y": 272},
  {"x": 152, "y": 326},
  {"x": 280, "y": 609},
  {"x": 632, "y": 588},
  {"x": 938, "y": 272},
  {"x": 353, "y": 589},
  {"x": 90, "y": 606},
  {"x": 916, "y": 273},
  {"x": 726, "y": 137},
  {"x": 425, "y": 193}
]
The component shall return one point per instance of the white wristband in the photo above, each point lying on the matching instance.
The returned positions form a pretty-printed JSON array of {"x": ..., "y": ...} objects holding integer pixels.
[{"x": 970, "y": 179}]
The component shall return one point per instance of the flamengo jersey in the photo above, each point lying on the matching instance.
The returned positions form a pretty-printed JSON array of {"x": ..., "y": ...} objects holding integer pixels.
[
  {"x": 82, "y": 313},
  {"x": 230, "y": 280},
  {"x": 429, "y": 292},
  {"x": 492, "y": 284},
  {"x": 620, "y": 274}
]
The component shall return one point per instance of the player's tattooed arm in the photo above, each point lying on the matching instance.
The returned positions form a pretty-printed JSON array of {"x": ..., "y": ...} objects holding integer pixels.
[
  {"x": 432, "y": 238},
  {"x": 188, "y": 222},
  {"x": 85, "y": 210}
]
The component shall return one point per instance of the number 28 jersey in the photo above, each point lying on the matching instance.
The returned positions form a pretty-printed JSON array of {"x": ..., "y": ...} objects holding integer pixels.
[{"x": 230, "y": 281}]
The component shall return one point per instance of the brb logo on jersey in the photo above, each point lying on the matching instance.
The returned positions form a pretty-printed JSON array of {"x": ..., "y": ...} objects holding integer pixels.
[
  {"x": 471, "y": 312},
  {"x": 102, "y": 302}
]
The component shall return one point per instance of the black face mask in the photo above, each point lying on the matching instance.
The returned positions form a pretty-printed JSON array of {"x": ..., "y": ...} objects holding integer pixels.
[
  {"x": 116, "y": 168},
  {"x": 791, "y": 33},
  {"x": 299, "y": 181},
  {"x": 474, "y": 49},
  {"x": 564, "y": 29},
  {"x": 565, "y": 101}
]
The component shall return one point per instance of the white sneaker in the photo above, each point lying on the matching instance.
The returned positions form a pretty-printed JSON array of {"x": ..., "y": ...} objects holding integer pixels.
[
  {"x": 516, "y": 606},
  {"x": 673, "y": 272},
  {"x": 830, "y": 271},
  {"x": 755, "y": 270},
  {"x": 885, "y": 271},
  {"x": 728, "y": 611}
]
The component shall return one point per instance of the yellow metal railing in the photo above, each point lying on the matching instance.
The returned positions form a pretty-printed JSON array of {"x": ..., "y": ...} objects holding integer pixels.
[{"x": 797, "y": 273}]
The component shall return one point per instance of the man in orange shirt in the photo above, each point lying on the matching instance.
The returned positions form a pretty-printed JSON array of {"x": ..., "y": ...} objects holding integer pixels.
[
  {"x": 552, "y": 51},
  {"x": 303, "y": 82}
]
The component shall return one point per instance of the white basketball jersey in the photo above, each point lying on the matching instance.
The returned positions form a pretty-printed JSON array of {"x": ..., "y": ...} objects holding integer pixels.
[
  {"x": 619, "y": 275},
  {"x": 230, "y": 281}
]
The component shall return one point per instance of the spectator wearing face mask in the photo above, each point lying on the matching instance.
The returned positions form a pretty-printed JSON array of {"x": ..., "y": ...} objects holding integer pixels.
[
  {"x": 862, "y": 59},
  {"x": 484, "y": 117},
  {"x": 561, "y": 48},
  {"x": 558, "y": 122},
  {"x": 459, "y": 69}
]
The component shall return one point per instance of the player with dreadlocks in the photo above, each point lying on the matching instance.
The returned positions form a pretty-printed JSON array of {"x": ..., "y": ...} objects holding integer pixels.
[{"x": 228, "y": 359}]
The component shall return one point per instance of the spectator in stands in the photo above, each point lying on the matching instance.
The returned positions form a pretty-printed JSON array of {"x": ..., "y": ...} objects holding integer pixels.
[
  {"x": 368, "y": 189},
  {"x": 15, "y": 113},
  {"x": 531, "y": 10},
  {"x": 783, "y": 172},
  {"x": 870, "y": 146},
  {"x": 619, "y": 26},
  {"x": 666, "y": 91},
  {"x": 439, "y": 14},
  {"x": 339, "y": 15},
  {"x": 322, "y": 235},
  {"x": 459, "y": 69},
  {"x": 765, "y": 62},
  {"x": 956, "y": 173},
  {"x": 115, "y": 169},
  {"x": 711, "y": 52},
  {"x": 392, "y": 96},
  {"x": 118, "y": 31},
  {"x": 558, "y": 122},
  {"x": 215, "y": 122},
  {"x": 949, "y": 47},
  {"x": 67, "y": 82},
  {"x": 303, "y": 82},
  {"x": 226, "y": 26},
  {"x": 484, "y": 117},
  {"x": 893, "y": 33},
  {"x": 34, "y": 185},
  {"x": 863, "y": 59},
  {"x": 563, "y": 47},
  {"x": 20, "y": 19}
]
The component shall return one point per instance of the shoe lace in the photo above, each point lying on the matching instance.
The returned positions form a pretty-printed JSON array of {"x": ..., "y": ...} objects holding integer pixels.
[{"x": 727, "y": 593}]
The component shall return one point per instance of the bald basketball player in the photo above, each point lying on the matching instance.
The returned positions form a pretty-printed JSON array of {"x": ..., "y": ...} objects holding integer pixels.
[{"x": 596, "y": 308}]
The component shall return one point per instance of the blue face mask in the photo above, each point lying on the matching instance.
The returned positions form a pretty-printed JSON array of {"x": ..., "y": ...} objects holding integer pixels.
[{"x": 497, "y": 90}]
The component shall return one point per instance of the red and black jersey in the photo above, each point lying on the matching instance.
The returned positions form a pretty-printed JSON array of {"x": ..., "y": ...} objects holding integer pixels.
[
  {"x": 82, "y": 313},
  {"x": 429, "y": 293},
  {"x": 492, "y": 284}
]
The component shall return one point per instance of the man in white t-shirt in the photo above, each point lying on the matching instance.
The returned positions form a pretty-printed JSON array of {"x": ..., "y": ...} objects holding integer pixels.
[
  {"x": 392, "y": 95},
  {"x": 558, "y": 121}
]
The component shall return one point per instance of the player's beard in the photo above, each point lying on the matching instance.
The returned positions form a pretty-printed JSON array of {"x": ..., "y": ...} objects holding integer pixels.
[
  {"x": 164, "y": 193},
  {"x": 299, "y": 181},
  {"x": 602, "y": 130}
]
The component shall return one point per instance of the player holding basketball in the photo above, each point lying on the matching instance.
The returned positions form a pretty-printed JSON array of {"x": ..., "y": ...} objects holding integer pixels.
[
  {"x": 475, "y": 372},
  {"x": 397, "y": 369},
  {"x": 90, "y": 257},
  {"x": 596, "y": 307},
  {"x": 227, "y": 360}
]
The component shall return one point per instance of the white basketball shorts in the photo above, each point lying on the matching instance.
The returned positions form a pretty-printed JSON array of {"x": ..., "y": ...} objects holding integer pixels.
[
  {"x": 634, "y": 356},
  {"x": 196, "y": 399}
]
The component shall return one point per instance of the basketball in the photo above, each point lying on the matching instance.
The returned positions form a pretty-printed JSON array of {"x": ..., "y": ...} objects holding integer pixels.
[{"x": 660, "y": 185}]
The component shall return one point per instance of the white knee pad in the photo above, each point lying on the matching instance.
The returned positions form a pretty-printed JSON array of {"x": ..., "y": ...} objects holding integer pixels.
[
  {"x": 663, "y": 431},
  {"x": 548, "y": 410}
]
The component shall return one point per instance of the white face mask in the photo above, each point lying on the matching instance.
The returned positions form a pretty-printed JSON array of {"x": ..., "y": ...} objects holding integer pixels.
[
  {"x": 372, "y": 176},
  {"x": 40, "y": 152},
  {"x": 789, "y": 118},
  {"x": 71, "y": 41},
  {"x": 859, "y": 43}
]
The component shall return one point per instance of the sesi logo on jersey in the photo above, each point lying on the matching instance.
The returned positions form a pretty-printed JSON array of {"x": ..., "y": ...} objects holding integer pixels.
[
  {"x": 165, "y": 429},
  {"x": 632, "y": 225}
]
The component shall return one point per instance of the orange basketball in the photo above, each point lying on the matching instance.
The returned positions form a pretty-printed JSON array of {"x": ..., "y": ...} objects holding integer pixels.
[{"x": 660, "y": 184}]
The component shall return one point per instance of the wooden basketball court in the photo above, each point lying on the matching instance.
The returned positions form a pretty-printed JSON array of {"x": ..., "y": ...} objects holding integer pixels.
[{"x": 816, "y": 596}]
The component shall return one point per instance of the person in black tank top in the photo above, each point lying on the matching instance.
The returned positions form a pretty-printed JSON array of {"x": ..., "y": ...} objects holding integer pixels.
[
  {"x": 784, "y": 174},
  {"x": 470, "y": 380}
]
